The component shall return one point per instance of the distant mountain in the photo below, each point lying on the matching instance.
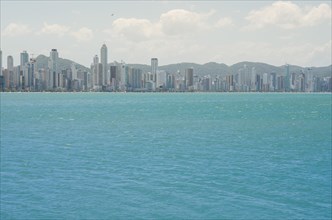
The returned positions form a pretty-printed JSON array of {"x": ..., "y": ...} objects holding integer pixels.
[
  {"x": 222, "y": 69},
  {"x": 259, "y": 67},
  {"x": 42, "y": 62},
  {"x": 211, "y": 68}
]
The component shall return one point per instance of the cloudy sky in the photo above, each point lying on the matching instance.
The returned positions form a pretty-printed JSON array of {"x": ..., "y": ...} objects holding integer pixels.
[{"x": 274, "y": 32}]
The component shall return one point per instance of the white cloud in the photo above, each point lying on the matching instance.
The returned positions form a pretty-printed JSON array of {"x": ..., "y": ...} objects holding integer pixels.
[
  {"x": 15, "y": 29},
  {"x": 55, "y": 29},
  {"x": 317, "y": 14},
  {"x": 134, "y": 29},
  {"x": 174, "y": 23},
  {"x": 179, "y": 21},
  {"x": 288, "y": 15},
  {"x": 83, "y": 34},
  {"x": 224, "y": 22},
  {"x": 320, "y": 55}
]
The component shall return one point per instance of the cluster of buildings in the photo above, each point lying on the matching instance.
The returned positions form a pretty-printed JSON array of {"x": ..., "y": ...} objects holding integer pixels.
[
  {"x": 117, "y": 76},
  {"x": 248, "y": 80}
]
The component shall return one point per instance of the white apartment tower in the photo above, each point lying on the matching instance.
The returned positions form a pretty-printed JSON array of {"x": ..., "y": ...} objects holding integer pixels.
[
  {"x": 154, "y": 69},
  {"x": 189, "y": 77},
  {"x": 10, "y": 69},
  {"x": 53, "y": 68},
  {"x": 0, "y": 62},
  {"x": 103, "y": 60},
  {"x": 24, "y": 58},
  {"x": 10, "y": 63},
  {"x": 95, "y": 71},
  {"x": 73, "y": 71}
]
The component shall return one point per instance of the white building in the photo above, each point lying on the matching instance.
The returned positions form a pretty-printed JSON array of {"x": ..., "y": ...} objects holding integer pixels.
[
  {"x": 95, "y": 72},
  {"x": 154, "y": 69},
  {"x": 24, "y": 58},
  {"x": 161, "y": 78},
  {"x": 73, "y": 71},
  {"x": 0, "y": 62},
  {"x": 103, "y": 60},
  {"x": 53, "y": 69}
]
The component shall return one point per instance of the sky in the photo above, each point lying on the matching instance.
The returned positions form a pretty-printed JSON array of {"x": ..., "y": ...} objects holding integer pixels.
[{"x": 273, "y": 32}]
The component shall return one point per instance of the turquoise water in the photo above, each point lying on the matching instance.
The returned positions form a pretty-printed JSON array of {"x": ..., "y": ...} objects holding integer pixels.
[{"x": 165, "y": 156}]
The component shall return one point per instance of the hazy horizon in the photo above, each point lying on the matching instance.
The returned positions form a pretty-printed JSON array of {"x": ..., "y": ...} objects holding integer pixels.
[{"x": 180, "y": 62}]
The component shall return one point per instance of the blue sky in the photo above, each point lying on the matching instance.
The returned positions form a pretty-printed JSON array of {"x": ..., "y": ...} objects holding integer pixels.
[{"x": 274, "y": 32}]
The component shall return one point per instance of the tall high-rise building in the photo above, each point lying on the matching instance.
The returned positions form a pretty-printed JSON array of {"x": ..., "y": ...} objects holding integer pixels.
[
  {"x": 95, "y": 59},
  {"x": 293, "y": 80},
  {"x": 189, "y": 77},
  {"x": 287, "y": 79},
  {"x": 170, "y": 84},
  {"x": 161, "y": 79},
  {"x": 103, "y": 60},
  {"x": 113, "y": 76},
  {"x": 247, "y": 76},
  {"x": 53, "y": 68},
  {"x": 10, "y": 63},
  {"x": 95, "y": 69},
  {"x": 241, "y": 78},
  {"x": 154, "y": 69},
  {"x": 229, "y": 82},
  {"x": 0, "y": 62},
  {"x": 265, "y": 82},
  {"x": 73, "y": 71},
  {"x": 253, "y": 79},
  {"x": 24, "y": 58},
  {"x": 123, "y": 76},
  {"x": 302, "y": 82},
  {"x": 273, "y": 81},
  {"x": 135, "y": 78},
  {"x": 10, "y": 72},
  {"x": 258, "y": 83},
  {"x": 29, "y": 79},
  {"x": 309, "y": 81},
  {"x": 100, "y": 74}
]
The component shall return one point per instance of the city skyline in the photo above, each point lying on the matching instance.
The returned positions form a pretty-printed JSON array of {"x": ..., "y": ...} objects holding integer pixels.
[
  {"x": 199, "y": 32},
  {"x": 119, "y": 77}
]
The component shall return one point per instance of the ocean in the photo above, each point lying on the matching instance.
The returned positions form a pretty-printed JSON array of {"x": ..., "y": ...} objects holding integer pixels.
[{"x": 165, "y": 156}]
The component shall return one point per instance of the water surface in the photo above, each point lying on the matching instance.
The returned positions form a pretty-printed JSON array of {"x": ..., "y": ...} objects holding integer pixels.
[{"x": 165, "y": 156}]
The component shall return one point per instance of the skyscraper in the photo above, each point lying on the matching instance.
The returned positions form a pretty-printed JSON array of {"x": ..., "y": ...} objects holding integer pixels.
[
  {"x": 10, "y": 63},
  {"x": 29, "y": 79},
  {"x": 0, "y": 62},
  {"x": 73, "y": 71},
  {"x": 95, "y": 59},
  {"x": 273, "y": 81},
  {"x": 10, "y": 72},
  {"x": 24, "y": 58},
  {"x": 189, "y": 77},
  {"x": 154, "y": 69},
  {"x": 100, "y": 75},
  {"x": 103, "y": 59},
  {"x": 113, "y": 76},
  {"x": 265, "y": 84},
  {"x": 2, "y": 80},
  {"x": 253, "y": 79},
  {"x": 53, "y": 68},
  {"x": 247, "y": 77},
  {"x": 123, "y": 76},
  {"x": 95, "y": 70},
  {"x": 287, "y": 79},
  {"x": 135, "y": 78}
]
